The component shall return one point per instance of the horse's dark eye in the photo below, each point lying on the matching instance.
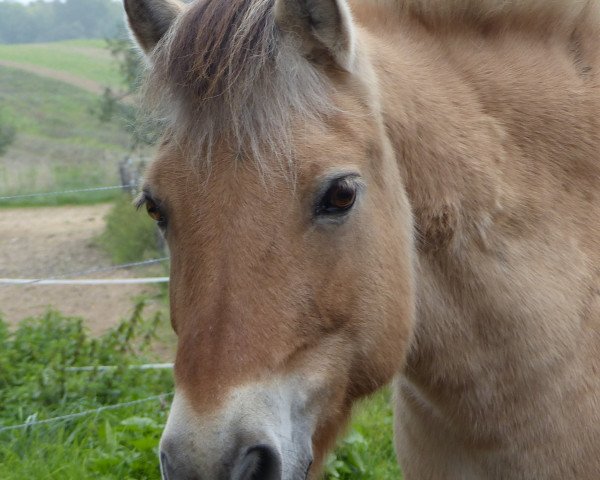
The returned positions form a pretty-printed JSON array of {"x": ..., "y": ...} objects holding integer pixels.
[
  {"x": 154, "y": 211},
  {"x": 339, "y": 198}
]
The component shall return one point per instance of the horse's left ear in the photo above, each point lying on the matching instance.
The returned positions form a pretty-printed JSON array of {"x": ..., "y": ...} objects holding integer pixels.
[
  {"x": 323, "y": 28},
  {"x": 149, "y": 20}
]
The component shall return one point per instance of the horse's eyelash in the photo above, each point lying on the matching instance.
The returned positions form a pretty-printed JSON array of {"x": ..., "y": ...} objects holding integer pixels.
[{"x": 140, "y": 200}]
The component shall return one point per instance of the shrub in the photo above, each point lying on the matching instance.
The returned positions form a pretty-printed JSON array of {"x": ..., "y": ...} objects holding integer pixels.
[
  {"x": 129, "y": 235},
  {"x": 35, "y": 384},
  {"x": 7, "y": 135}
]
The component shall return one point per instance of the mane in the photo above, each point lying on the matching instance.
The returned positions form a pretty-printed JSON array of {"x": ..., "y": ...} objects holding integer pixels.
[
  {"x": 226, "y": 71},
  {"x": 541, "y": 13}
]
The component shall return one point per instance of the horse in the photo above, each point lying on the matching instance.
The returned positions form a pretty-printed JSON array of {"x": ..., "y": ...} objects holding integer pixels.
[{"x": 360, "y": 192}]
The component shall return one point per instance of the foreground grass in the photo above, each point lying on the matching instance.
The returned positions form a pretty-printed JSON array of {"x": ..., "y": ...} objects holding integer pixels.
[
  {"x": 35, "y": 383},
  {"x": 121, "y": 444}
]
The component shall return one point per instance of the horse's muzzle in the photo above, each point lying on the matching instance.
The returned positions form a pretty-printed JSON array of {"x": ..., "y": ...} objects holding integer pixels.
[
  {"x": 257, "y": 462},
  {"x": 260, "y": 432}
]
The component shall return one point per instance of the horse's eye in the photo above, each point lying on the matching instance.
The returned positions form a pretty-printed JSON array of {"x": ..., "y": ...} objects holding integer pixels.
[
  {"x": 339, "y": 198},
  {"x": 154, "y": 211}
]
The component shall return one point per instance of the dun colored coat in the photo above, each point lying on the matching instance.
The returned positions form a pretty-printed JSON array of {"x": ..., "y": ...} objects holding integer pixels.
[{"x": 356, "y": 193}]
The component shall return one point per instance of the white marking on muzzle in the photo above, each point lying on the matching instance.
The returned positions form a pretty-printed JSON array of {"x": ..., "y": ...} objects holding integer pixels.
[{"x": 279, "y": 415}]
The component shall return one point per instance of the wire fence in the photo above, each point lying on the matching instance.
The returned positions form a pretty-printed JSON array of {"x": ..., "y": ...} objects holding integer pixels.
[
  {"x": 67, "y": 278},
  {"x": 88, "y": 282},
  {"x": 70, "y": 278},
  {"x": 33, "y": 422},
  {"x": 66, "y": 192},
  {"x": 112, "y": 368}
]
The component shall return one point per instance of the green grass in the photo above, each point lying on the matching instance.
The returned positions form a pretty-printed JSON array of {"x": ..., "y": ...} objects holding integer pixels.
[
  {"x": 367, "y": 451},
  {"x": 59, "y": 145},
  {"x": 87, "y": 59},
  {"x": 118, "y": 444},
  {"x": 122, "y": 444},
  {"x": 53, "y": 109}
]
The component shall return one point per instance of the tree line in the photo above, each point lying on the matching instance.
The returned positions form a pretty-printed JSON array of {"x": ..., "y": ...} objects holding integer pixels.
[{"x": 43, "y": 21}]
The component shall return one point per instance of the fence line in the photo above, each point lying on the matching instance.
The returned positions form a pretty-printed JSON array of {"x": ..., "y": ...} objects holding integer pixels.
[
  {"x": 90, "y": 271},
  {"x": 110, "y": 368},
  {"x": 33, "y": 422},
  {"x": 90, "y": 281},
  {"x": 66, "y": 192}
]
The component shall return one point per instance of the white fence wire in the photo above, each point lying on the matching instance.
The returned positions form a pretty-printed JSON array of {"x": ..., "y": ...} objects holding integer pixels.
[
  {"x": 89, "y": 281},
  {"x": 32, "y": 419},
  {"x": 112, "y": 368},
  {"x": 66, "y": 278},
  {"x": 65, "y": 192}
]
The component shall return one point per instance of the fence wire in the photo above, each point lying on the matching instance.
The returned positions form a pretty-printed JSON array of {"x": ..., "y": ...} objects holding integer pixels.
[
  {"x": 112, "y": 368},
  {"x": 32, "y": 421},
  {"x": 80, "y": 273},
  {"x": 89, "y": 281},
  {"x": 66, "y": 192}
]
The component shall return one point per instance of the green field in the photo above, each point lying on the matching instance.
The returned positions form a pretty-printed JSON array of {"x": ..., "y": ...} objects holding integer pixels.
[
  {"x": 60, "y": 143},
  {"x": 87, "y": 59}
]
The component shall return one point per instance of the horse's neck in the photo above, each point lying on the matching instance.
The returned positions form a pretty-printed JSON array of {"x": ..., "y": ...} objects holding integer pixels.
[
  {"x": 498, "y": 147},
  {"x": 450, "y": 148},
  {"x": 489, "y": 129}
]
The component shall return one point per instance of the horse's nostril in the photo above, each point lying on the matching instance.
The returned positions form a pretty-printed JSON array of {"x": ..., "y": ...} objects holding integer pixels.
[
  {"x": 165, "y": 468},
  {"x": 261, "y": 462}
]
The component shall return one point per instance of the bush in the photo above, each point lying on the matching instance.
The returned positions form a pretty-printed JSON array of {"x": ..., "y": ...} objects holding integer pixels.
[
  {"x": 129, "y": 235},
  {"x": 35, "y": 384}
]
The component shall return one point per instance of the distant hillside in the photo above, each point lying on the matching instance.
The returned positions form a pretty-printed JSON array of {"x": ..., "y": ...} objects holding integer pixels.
[
  {"x": 82, "y": 59},
  {"x": 45, "y": 92}
]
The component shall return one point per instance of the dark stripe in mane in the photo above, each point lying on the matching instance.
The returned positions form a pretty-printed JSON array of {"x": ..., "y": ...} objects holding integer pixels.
[{"x": 218, "y": 42}]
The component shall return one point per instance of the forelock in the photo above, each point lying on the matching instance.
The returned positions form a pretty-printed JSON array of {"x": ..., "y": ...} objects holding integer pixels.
[{"x": 225, "y": 73}]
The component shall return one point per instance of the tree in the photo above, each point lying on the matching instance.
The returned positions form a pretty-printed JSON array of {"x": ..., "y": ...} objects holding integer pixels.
[{"x": 120, "y": 105}]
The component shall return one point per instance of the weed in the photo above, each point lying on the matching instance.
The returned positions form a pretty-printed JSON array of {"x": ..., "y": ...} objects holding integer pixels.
[{"x": 129, "y": 235}]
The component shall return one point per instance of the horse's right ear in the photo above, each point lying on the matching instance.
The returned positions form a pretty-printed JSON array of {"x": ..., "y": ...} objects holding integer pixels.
[
  {"x": 149, "y": 20},
  {"x": 323, "y": 29}
]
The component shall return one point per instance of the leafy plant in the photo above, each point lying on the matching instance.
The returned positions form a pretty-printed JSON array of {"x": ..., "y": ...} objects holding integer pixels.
[
  {"x": 37, "y": 381},
  {"x": 129, "y": 235},
  {"x": 114, "y": 104},
  {"x": 367, "y": 451}
]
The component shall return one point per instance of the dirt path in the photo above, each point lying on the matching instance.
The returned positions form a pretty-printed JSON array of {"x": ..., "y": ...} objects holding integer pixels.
[
  {"x": 51, "y": 241},
  {"x": 79, "y": 82}
]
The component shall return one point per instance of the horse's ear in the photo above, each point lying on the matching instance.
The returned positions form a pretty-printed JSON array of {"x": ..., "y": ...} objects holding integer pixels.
[
  {"x": 149, "y": 20},
  {"x": 323, "y": 28}
]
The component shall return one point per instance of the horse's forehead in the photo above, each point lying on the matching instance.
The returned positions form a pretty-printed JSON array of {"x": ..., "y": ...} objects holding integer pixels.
[{"x": 338, "y": 140}]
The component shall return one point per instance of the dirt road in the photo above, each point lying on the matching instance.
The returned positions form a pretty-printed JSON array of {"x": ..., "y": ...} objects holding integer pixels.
[
  {"x": 51, "y": 241},
  {"x": 79, "y": 82}
]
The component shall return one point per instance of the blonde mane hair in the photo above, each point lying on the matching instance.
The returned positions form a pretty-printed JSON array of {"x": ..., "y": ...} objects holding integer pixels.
[{"x": 231, "y": 77}]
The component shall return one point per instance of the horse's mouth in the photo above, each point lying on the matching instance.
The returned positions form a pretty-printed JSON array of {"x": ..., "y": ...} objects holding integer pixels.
[{"x": 308, "y": 470}]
